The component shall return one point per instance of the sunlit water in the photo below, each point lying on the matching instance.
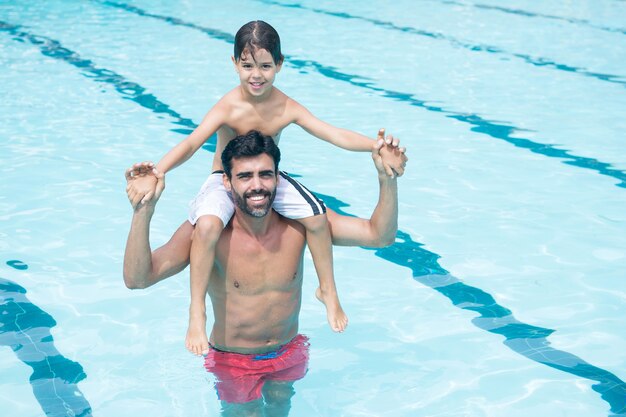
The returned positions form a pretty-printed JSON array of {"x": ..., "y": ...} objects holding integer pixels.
[{"x": 504, "y": 293}]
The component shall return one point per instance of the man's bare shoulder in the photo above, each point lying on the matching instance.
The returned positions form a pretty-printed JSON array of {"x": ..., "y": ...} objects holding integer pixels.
[
  {"x": 286, "y": 226},
  {"x": 289, "y": 231},
  {"x": 293, "y": 226}
]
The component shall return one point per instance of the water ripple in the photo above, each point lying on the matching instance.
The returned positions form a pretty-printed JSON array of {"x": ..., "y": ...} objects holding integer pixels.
[
  {"x": 525, "y": 13},
  {"x": 128, "y": 89},
  {"x": 530, "y": 341},
  {"x": 25, "y": 328},
  {"x": 491, "y": 49},
  {"x": 524, "y": 339},
  {"x": 496, "y": 129}
]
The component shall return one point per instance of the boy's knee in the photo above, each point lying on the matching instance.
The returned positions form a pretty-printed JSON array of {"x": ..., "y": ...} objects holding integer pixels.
[
  {"x": 315, "y": 223},
  {"x": 208, "y": 228}
]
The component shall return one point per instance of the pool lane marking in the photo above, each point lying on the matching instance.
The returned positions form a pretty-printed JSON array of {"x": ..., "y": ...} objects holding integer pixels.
[
  {"x": 525, "y": 13},
  {"x": 17, "y": 264},
  {"x": 128, "y": 89},
  {"x": 491, "y": 49},
  {"x": 407, "y": 253},
  {"x": 525, "y": 339},
  {"x": 496, "y": 129}
]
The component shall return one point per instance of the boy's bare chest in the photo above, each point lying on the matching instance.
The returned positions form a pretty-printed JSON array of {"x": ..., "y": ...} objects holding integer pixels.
[{"x": 269, "y": 121}]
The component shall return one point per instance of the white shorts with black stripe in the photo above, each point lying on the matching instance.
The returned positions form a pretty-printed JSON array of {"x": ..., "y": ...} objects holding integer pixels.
[{"x": 293, "y": 200}]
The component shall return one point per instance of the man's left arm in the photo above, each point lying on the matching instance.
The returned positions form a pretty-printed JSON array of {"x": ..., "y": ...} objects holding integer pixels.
[{"x": 380, "y": 229}]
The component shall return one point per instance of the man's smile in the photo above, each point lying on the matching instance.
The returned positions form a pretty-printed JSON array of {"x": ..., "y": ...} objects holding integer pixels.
[{"x": 257, "y": 196}]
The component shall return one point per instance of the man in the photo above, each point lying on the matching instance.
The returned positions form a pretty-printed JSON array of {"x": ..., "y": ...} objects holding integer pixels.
[{"x": 256, "y": 284}]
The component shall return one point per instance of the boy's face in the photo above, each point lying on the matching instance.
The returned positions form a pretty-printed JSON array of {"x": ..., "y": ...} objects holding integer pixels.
[
  {"x": 256, "y": 73},
  {"x": 253, "y": 184}
]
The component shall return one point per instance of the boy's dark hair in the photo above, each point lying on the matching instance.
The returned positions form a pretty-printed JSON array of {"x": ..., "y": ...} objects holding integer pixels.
[
  {"x": 253, "y": 143},
  {"x": 257, "y": 35}
]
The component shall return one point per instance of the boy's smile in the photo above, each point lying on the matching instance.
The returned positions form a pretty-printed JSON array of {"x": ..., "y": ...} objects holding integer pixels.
[{"x": 257, "y": 72}]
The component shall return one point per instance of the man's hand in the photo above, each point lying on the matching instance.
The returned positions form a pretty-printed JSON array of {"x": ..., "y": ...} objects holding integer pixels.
[
  {"x": 388, "y": 155},
  {"x": 144, "y": 184}
]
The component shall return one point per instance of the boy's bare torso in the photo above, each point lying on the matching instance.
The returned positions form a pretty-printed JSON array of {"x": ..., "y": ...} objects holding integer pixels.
[
  {"x": 256, "y": 286},
  {"x": 269, "y": 116}
]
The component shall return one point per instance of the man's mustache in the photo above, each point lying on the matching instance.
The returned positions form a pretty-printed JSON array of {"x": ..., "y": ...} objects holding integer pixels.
[{"x": 254, "y": 193}]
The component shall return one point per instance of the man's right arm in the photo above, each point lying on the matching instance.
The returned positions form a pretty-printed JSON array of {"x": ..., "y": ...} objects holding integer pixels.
[{"x": 142, "y": 266}]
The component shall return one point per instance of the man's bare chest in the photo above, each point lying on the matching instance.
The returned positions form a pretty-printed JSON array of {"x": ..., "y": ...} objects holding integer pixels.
[{"x": 253, "y": 268}]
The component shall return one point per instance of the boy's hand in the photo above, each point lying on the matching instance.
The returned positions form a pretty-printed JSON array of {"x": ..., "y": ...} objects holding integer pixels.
[
  {"x": 392, "y": 155},
  {"x": 144, "y": 184},
  {"x": 378, "y": 160}
]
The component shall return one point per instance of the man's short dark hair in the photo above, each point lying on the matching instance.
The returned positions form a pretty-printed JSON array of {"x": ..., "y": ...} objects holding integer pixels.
[{"x": 253, "y": 143}]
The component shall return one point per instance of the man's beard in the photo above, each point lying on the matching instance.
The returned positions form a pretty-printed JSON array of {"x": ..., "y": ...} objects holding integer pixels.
[{"x": 257, "y": 211}]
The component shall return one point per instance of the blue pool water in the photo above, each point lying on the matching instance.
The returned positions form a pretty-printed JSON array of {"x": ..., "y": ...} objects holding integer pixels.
[{"x": 503, "y": 294}]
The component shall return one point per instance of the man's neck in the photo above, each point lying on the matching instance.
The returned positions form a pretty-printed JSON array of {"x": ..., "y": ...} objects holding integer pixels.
[{"x": 254, "y": 226}]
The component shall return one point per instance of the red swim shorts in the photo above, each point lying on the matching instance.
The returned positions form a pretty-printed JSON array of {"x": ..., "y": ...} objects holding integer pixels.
[{"x": 240, "y": 377}]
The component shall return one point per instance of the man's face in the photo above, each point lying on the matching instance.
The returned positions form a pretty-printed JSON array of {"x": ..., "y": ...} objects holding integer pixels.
[{"x": 253, "y": 184}]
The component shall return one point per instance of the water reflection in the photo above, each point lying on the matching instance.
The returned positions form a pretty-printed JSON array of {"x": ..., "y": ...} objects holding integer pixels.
[
  {"x": 25, "y": 328},
  {"x": 527, "y": 340}
]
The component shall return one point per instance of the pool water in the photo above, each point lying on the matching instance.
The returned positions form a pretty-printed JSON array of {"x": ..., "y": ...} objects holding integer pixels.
[{"x": 503, "y": 294}]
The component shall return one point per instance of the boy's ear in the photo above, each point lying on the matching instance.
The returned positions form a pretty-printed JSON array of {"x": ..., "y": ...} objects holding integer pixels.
[
  {"x": 279, "y": 65},
  {"x": 232, "y": 58}
]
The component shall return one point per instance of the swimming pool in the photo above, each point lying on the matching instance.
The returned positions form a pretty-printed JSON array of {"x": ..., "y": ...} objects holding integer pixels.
[{"x": 503, "y": 295}]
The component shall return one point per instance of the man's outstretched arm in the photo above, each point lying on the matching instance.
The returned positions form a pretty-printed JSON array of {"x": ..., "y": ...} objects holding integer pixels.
[
  {"x": 380, "y": 229},
  {"x": 142, "y": 266}
]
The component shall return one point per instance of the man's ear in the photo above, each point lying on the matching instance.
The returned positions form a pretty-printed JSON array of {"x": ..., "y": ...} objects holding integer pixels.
[{"x": 226, "y": 182}]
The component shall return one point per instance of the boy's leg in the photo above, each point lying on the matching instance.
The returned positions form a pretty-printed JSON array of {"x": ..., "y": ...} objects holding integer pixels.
[
  {"x": 295, "y": 201},
  {"x": 320, "y": 244},
  {"x": 209, "y": 212},
  {"x": 202, "y": 256}
]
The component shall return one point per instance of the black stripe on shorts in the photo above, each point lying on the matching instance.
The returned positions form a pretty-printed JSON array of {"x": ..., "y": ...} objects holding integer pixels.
[{"x": 316, "y": 204}]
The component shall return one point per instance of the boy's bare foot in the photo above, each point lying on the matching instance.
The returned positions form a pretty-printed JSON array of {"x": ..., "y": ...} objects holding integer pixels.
[
  {"x": 196, "y": 340},
  {"x": 337, "y": 318}
]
